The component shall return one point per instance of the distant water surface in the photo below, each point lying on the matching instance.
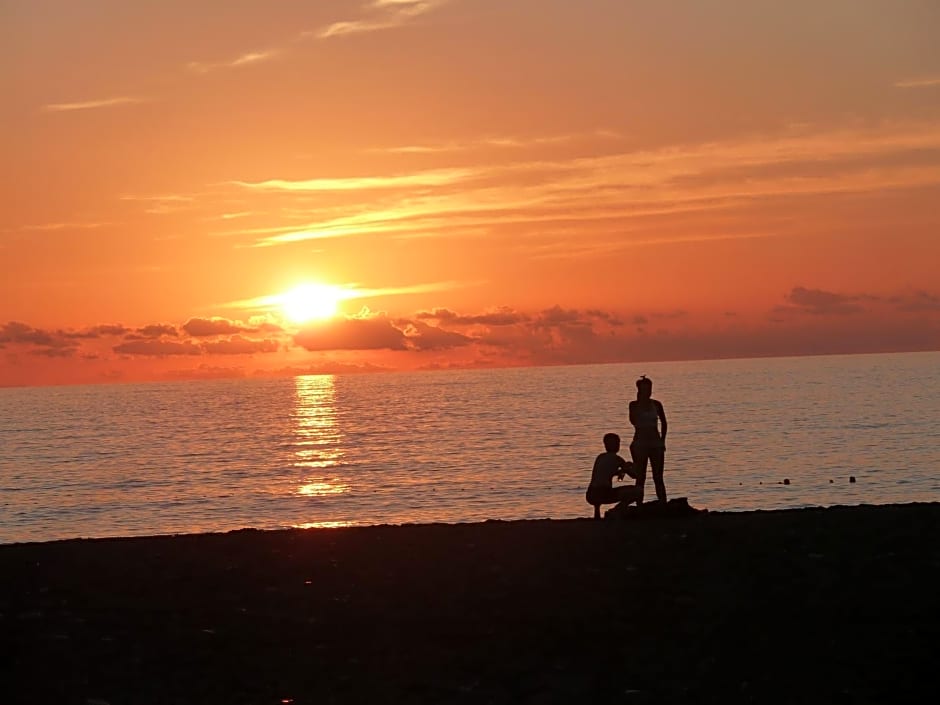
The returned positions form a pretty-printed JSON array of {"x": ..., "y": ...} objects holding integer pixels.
[{"x": 457, "y": 446}]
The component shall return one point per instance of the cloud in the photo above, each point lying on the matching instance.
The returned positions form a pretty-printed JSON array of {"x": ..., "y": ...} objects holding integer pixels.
[
  {"x": 40, "y": 342},
  {"x": 502, "y": 316},
  {"x": 274, "y": 302},
  {"x": 556, "y": 315},
  {"x": 68, "y": 343},
  {"x": 204, "y": 327},
  {"x": 231, "y": 216},
  {"x": 611, "y": 201},
  {"x": 553, "y": 335},
  {"x": 436, "y": 177},
  {"x": 375, "y": 331},
  {"x": 608, "y": 318},
  {"x": 365, "y": 331},
  {"x": 156, "y": 330},
  {"x": 65, "y": 226},
  {"x": 678, "y": 313},
  {"x": 157, "y": 348},
  {"x": 237, "y": 345},
  {"x": 253, "y": 57},
  {"x": 501, "y": 142},
  {"x": 380, "y": 15},
  {"x": 918, "y": 302},
  {"x": 422, "y": 336},
  {"x": 559, "y": 335},
  {"x": 249, "y": 58},
  {"x": 147, "y": 340},
  {"x": 165, "y": 203},
  {"x": 54, "y": 352},
  {"x": 338, "y": 29},
  {"x": 822, "y": 303},
  {"x": 92, "y": 104},
  {"x": 924, "y": 82},
  {"x": 112, "y": 329},
  {"x": 16, "y": 332},
  {"x": 397, "y": 4},
  {"x": 819, "y": 322},
  {"x": 161, "y": 198}
]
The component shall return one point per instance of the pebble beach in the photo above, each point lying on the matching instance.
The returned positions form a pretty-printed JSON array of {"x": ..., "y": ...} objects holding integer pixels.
[{"x": 833, "y": 605}]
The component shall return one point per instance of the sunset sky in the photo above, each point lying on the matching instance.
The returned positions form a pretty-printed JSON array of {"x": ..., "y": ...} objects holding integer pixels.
[{"x": 469, "y": 183}]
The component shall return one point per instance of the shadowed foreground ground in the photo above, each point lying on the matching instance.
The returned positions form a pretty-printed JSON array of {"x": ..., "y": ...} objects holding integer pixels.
[{"x": 829, "y": 606}]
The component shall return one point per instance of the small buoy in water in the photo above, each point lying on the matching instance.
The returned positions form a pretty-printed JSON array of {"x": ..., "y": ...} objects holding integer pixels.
[
  {"x": 851, "y": 478},
  {"x": 786, "y": 480},
  {"x": 830, "y": 482}
]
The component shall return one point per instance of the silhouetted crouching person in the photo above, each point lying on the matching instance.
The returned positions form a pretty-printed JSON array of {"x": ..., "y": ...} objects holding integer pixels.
[
  {"x": 649, "y": 445},
  {"x": 608, "y": 465}
]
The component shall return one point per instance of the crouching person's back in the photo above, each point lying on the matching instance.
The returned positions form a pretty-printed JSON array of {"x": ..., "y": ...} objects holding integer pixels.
[{"x": 608, "y": 465}]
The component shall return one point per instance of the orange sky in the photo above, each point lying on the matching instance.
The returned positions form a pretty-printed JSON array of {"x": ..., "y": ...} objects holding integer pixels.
[{"x": 488, "y": 182}]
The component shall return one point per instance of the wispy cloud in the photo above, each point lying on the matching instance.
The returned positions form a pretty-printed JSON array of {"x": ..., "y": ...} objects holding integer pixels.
[
  {"x": 501, "y": 142},
  {"x": 566, "y": 248},
  {"x": 923, "y": 82},
  {"x": 379, "y": 15},
  {"x": 271, "y": 302},
  {"x": 247, "y": 59},
  {"x": 65, "y": 226},
  {"x": 435, "y": 177},
  {"x": 231, "y": 216},
  {"x": 162, "y": 204},
  {"x": 254, "y": 57},
  {"x": 92, "y": 104},
  {"x": 398, "y": 3},
  {"x": 376, "y": 15},
  {"x": 609, "y": 200}
]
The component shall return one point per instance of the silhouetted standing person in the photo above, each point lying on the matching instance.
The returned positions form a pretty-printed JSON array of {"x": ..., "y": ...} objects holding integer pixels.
[{"x": 649, "y": 437}]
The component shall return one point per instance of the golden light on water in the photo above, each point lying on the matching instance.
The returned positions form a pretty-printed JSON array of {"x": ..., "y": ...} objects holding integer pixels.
[
  {"x": 317, "y": 439},
  {"x": 319, "y": 489},
  {"x": 324, "y": 525}
]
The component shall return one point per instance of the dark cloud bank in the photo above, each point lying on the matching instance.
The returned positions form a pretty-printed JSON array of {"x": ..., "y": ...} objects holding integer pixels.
[{"x": 808, "y": 321}]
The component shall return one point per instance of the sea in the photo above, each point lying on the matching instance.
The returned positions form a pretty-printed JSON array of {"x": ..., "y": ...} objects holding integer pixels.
[{"x": 458, "y": 446}]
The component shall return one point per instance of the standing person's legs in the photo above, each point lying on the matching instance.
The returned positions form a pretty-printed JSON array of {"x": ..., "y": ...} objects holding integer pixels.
[
  {"x": 640, "y": 457},
  {"x": 658, "y": 462}
]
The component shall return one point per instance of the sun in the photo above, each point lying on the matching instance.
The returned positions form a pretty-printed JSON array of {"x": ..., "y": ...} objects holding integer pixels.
[{"x": 311, "y": 302}]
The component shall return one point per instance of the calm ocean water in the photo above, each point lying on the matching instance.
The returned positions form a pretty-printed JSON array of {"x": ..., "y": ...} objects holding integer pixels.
[{"x": 138, "y": 459}]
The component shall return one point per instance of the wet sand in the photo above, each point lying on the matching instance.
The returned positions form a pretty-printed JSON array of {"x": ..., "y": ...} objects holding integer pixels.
[{"x": 831, "y": 605}]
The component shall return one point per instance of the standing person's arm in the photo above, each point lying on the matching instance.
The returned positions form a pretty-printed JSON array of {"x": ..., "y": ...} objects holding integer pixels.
[
  {"x": 632, "y": 407},
  {"x": 662, "y": 419}
]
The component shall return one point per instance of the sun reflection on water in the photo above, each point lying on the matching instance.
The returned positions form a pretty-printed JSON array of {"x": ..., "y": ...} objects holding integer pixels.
[
  {"x": 317, "y": 436},
  {"x": 319, "y": 489},
  {"x": 324, "y": 524}
]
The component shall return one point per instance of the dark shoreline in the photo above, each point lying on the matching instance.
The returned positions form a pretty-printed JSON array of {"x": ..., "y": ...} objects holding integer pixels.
[{"x": 799, "y": 605}]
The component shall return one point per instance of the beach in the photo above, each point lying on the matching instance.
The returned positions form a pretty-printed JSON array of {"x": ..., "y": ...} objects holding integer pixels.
[{"x": 833, "y": 605}]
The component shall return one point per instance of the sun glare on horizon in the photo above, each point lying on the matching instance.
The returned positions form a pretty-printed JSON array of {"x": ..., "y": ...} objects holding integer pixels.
[{"x": 311, "y": 302}]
